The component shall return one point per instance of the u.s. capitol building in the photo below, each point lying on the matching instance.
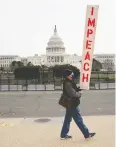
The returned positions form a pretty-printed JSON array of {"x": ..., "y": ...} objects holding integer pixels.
[{"x": 55, "y": 55}]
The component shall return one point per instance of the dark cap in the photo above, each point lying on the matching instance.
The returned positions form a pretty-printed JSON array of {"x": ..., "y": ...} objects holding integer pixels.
[{"x": 67, "y": 72}]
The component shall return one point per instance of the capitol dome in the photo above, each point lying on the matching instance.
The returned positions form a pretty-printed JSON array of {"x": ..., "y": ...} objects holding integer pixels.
[
  {"x": 55, "y": 40},
  {"x": 55, "y": 50}
]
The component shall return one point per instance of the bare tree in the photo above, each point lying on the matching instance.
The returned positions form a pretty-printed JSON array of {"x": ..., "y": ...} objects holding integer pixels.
[{"x": 29, "y": 64}]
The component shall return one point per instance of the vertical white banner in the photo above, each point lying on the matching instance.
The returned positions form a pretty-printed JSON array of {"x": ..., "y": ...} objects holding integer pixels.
[{"x": 88, "y": 46}]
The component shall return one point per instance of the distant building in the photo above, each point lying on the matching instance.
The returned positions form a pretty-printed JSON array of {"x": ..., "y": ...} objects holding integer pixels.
[
  {"x": 35, "y": 60},
  {"x": 107, "y": 60},
  {"x": 55, "y": 50},
  {"x": 56, "y": 53},
  {"x": 75, "y": 60},
  {"x": 44, "y": 60},
  {"x": 24, "y": 61},
  {"x": 6, "y": 60}
]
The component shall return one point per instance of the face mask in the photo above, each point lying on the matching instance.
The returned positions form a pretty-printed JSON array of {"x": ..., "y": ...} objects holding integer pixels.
[{"x": 73, "y": 75}]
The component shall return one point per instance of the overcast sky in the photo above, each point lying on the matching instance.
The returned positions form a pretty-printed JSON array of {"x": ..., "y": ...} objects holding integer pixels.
[{"x": 27, "y": 25}]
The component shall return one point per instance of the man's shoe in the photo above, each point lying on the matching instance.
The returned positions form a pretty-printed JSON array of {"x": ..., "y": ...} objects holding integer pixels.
[
  {"x": 66, "y": 137},
  {"x": 90, "y": 135}
]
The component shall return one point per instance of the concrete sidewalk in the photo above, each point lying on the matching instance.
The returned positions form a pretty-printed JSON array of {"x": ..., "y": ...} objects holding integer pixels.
[{"x": 27, "y": 133}]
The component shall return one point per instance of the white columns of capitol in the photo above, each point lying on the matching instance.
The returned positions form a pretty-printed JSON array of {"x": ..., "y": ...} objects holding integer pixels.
[{"x": 55, "y": 58}]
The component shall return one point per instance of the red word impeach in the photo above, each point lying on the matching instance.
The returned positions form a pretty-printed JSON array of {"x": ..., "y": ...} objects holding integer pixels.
[{"x": 90, "y": 31}]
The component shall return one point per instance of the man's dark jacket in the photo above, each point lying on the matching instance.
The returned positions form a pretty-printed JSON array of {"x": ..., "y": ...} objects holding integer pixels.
[{"x": 70, "y": 91}]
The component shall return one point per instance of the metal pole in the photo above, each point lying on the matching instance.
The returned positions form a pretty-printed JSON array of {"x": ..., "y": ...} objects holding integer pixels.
[
  {"x": 17, "y": 84},
  {"x": 0, "y": 82},
  {"x": 98, "y": 80},
  {"x": 8, "y": 81},
  {"x": 107, "y": 79}
]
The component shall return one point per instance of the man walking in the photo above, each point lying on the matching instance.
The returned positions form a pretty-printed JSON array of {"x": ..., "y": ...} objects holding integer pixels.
[{"x": 70, "y": 91}]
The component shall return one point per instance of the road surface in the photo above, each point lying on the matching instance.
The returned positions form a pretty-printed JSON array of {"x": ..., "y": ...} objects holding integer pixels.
[{"x": 45, "y": 104}]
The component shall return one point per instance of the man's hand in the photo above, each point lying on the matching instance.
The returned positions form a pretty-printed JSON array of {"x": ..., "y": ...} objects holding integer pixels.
[
  {"x": 78, "y": 88},
  {"x": 78, "y": 94}
]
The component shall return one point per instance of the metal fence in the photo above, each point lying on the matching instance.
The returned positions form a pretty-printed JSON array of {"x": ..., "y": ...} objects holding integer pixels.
[{"x": 47, "y": 82}]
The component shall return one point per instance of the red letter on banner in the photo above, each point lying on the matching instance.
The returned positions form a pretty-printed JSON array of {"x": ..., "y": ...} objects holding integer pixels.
[
  {"x": 91, "y": 22},
  {"x": 87, "y": 44},
  {"x": 89, "y": 31},
  {"x": 85, "y": 78},
  {"x": 86, "y": 69},
  {"x": 92, "y": 10},
  {"x": 87, "y": 56}
]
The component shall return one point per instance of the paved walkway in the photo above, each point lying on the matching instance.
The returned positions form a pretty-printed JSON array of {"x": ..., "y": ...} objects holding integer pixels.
[{"x": 27, "y": 133}]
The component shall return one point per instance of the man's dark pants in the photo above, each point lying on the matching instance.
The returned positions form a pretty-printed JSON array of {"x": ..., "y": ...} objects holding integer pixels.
[{"x": 74, "y": 113}]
